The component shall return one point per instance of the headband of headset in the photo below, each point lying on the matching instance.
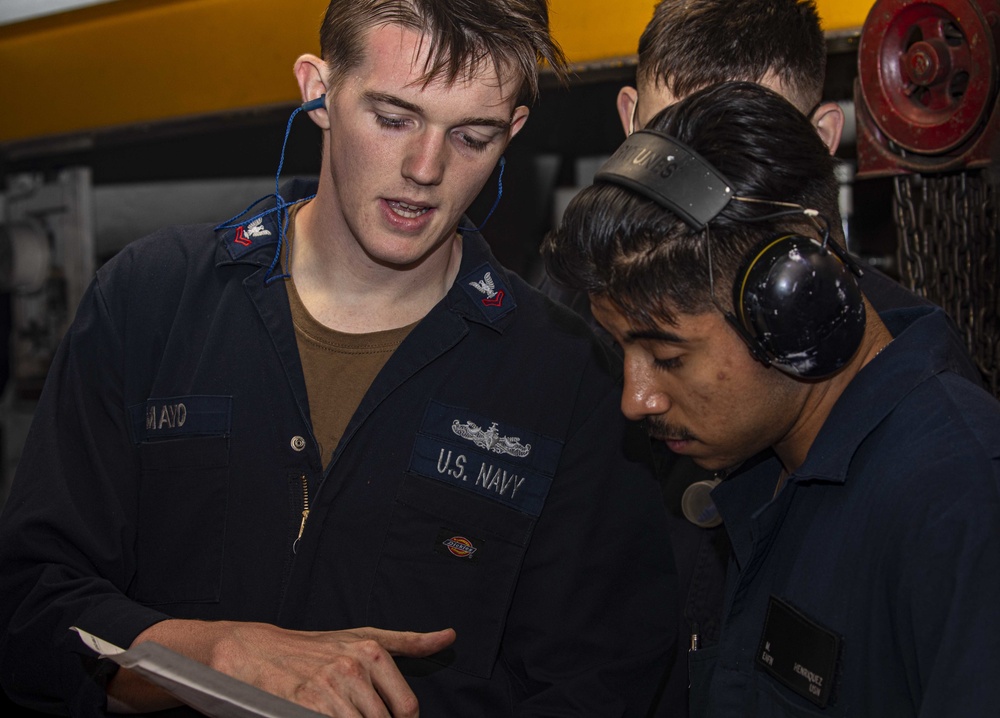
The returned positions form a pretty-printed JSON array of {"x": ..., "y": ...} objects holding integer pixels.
[{"x": 671, "y": 174}]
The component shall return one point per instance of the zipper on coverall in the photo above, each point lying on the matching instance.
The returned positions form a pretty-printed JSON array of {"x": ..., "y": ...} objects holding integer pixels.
[{"x": 305, "y": 512}]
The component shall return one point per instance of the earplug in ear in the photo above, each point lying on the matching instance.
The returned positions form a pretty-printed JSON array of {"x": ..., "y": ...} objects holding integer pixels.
[{"x": 318, "y": 104}]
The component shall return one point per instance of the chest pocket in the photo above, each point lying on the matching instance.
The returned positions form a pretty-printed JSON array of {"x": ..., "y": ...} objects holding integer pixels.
[
  {"x": 716, "y": 689},
  {"x": 460, "y": 526},
  {"x": 450, "y": 559},
  {"x": 183, "y": 495},
  {"x": 774, "y": 699}
]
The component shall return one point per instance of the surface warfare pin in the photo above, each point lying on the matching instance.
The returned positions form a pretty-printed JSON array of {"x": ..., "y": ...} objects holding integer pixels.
[
  {"x": 453, "y": 544},
  {"x": 490, "y": 439}
]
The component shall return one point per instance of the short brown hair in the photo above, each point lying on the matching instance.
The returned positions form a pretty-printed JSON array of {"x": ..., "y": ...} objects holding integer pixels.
[
  {"x": 513, "y": 35},
  {"x": 691, "y": 44}
]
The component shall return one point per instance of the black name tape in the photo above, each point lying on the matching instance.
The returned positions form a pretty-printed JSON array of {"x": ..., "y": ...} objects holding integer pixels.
[{"x": 798, "y": 652}]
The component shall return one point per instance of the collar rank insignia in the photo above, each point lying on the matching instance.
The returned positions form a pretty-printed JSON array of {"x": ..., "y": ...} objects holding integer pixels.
[
  {"x": 489, "y": 292},
  {"x": 245, "y": 235},
  {"x": 257, "y": 229},
  {"x": 494, "y": 297},
  {"x": 490, "y": 439}
]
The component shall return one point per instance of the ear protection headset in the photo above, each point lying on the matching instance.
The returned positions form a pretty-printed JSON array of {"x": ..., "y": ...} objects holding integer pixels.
[{"x": 796, "y": 299}]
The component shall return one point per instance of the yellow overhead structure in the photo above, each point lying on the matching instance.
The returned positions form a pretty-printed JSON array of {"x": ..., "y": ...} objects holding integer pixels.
[
  {"x": 145, "y": 61},
  {"x": 597, "y": 29}
]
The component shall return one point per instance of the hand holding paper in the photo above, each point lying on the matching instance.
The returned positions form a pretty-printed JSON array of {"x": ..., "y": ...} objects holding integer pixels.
[{"x": 335, "y": 673}]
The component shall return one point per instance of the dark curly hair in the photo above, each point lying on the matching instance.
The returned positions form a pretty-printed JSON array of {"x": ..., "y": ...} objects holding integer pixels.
[{"x": 615, "y": 242}]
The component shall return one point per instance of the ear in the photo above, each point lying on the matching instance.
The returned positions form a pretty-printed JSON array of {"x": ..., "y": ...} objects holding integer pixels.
[
  {"x": 828, "y": 119},
  {"x": 519, "y": 117},
  {"x": 628, "y": 99},
  {"x": 310, "y": 71}
]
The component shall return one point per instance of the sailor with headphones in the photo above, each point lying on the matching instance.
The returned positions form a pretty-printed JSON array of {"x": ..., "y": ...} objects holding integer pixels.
[{"x": 859, "y": 483}]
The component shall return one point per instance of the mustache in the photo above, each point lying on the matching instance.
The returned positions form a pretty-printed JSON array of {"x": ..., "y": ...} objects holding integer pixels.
[{"x": 662, "y": 431}]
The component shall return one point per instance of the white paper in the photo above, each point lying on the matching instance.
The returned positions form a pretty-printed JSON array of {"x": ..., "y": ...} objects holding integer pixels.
[{"x": 204, "y": 689}]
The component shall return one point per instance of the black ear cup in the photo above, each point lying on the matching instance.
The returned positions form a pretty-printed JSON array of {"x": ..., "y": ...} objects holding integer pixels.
[{"x": 799, "y": 302}]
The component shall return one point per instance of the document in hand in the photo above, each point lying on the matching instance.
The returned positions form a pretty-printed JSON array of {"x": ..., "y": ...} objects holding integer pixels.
[{"x": 204, "y": 689}]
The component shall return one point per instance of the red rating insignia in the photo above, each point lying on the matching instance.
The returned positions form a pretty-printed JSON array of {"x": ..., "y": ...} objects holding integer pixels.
[{"x": 241, "y": 237}]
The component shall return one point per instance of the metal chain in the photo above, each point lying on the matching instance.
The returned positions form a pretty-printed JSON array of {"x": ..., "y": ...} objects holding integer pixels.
[{"x": 947, "y": 229}]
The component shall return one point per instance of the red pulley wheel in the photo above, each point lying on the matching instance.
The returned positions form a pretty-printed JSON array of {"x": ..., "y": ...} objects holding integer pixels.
[{"x": 927, "y": 72}]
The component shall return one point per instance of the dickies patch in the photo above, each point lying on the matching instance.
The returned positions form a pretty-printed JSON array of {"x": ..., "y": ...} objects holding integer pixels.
[
  {"x": 799, "y": 653},
  {"x": 181, "y": 416},
  {"x": 486, "y": 456},
  {"x": 486, "y": 288},
  {"x": 456, "y": 545}
]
